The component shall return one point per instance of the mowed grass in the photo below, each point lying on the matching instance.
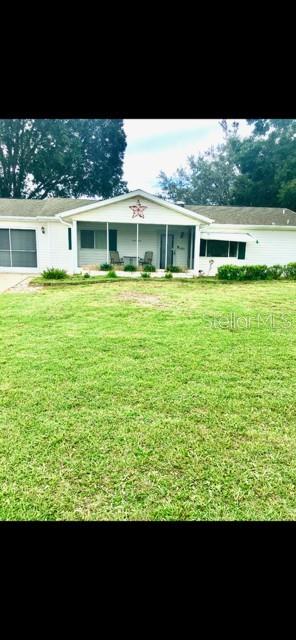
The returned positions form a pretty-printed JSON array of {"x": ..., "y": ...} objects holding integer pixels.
[{"x": 133, "y": 401}]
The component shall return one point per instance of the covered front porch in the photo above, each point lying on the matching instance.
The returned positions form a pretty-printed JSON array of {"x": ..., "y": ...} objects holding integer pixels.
[{"x": 162, "y": 245}]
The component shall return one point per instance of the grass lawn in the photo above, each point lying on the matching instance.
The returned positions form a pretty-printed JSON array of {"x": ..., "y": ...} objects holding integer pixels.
[{"x": 142, "y": 401}]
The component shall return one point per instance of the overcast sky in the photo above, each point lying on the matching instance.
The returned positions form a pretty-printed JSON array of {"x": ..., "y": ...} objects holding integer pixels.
[{"x": 155, "y": 145}]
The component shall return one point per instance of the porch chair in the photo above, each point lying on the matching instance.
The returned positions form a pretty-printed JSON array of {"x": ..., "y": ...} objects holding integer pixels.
[
  {"x": 147, "y": 258},
  {"x": 114, "y": 258}
]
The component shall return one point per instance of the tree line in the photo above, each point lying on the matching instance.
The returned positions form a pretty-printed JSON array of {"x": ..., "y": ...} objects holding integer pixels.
[
  {"x": 259, "y": 170},
  {"x": 40, "y": 158}
]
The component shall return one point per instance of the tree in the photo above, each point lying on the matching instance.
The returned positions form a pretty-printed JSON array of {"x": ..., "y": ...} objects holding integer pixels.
[
  {"x": 209, "y": 178},
  {"x": 266, "y": 162},
  {"x": 259, "y": 170},
  {"x": 67, "y": 158}
]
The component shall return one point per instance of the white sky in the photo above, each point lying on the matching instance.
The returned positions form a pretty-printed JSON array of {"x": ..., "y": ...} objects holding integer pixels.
[{"x": 154, "y": 145}]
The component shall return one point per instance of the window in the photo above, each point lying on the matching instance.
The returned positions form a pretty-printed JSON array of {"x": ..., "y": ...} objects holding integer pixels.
[
  {"x": 5, "y": 258},
  {"x": 101, "y": 239},
  {"x": 217, "y": 248},
  {"x": 98, "y": 239},
  {"x": 87, "y": 239},
  {"x": 232, "y": 249},
  {"x": 18, "y": 248},
  {"x": 222, "y": 249},
  {"x": 69, "y": 238}
]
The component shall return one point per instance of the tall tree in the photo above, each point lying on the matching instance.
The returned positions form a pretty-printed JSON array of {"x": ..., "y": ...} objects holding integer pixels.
[
  {"x": 68, "y": 158},
  {"x": 266, "y": 162},
  {"x": 208, "y": 178},
  {"x": 259, "y": 170}
]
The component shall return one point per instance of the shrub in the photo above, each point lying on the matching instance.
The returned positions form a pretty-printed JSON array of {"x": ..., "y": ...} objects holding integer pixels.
[
  {"x": 250, "y": 272},
  {"x": 174, "y": 269},
  {"x": 106, "y": 267},
  {"x": 254, "y": 272},
  {"x": 275, "y": 272},
  {"x": 149, "y": 268},
  {"x": 129, "y": 267},
  {"x": 228, "y": 272},
  {"x": 54, "y": 274},
  {"x": 290, "y": 270},
  {"x": 168, "y": 275},
  {"x": 86, "y": 275},
  {"x": 145, "y": 274},
  {"x": 112, "y": 274}
]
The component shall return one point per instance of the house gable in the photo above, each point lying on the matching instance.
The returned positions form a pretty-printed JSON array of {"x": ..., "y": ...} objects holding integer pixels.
[{"x": 136, "y": 207}]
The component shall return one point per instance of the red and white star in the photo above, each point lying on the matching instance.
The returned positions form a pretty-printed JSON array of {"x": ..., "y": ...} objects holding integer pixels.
[{"x": 138, "y": 209}]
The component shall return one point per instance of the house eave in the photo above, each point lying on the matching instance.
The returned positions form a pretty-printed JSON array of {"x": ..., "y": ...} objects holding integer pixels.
[
  {"x": 31, "y": 218},
  {"x": 132, "y": 194},
  {"x": 275, "y": 227}
]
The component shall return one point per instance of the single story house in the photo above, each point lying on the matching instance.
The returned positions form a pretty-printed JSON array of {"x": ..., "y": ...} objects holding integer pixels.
[{"x": 74, "y": 234}]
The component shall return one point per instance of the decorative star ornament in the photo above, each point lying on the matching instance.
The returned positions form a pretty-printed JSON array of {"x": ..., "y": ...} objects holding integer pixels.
[{"x": 138, "y": 209}]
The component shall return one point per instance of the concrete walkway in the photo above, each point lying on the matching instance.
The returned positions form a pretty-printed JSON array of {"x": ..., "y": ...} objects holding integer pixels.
[{"x": 8, "y": 280}]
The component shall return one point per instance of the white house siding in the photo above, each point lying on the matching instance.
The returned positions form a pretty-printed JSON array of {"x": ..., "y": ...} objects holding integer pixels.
[
  {"x": 273, "y": 247},
  {"x": 58, "y": 253},
  {"x": 52, "y": 246},
  {"x": 149, "y": 240},
  {"x": 120, "y": 211}
]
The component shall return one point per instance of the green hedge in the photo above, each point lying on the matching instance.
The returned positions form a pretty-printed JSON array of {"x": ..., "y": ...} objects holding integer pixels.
[
  {"x": 276, "y": 271},
  {"x": 290, "y": 270},
  {"x": 257, "y": 272},
  {"x": 250, "y": 272}
]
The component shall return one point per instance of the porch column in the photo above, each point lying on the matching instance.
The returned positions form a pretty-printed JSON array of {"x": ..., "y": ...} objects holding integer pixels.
[
  {"x": 74, "y": 246},
  {"x": 196, "y": 250},
  {"x": 192, "y": 234},
  {"x": 107, "y": 235},
  {"x": 166, "y": 246},
  {"x": 137, "y": 245},
  {"x": 190, "y": 247}
]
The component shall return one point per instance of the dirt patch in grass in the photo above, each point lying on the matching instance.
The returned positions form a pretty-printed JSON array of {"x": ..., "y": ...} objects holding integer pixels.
[
  {"x": 24, "y": 287},
  {"x": 145, "y": 299}
]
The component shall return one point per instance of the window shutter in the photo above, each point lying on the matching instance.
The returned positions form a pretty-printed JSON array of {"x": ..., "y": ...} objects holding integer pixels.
[
  {"x": 241, "y": 250},
  {"x": 112, "y": 240},
  {"x": 202, "y": 247}
]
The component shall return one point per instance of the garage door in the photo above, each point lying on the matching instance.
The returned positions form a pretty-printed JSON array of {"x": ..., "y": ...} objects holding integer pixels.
[{"x": 18, "y": 248}]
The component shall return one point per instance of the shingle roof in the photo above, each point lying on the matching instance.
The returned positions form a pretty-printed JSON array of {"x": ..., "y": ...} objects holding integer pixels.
[
  {"x": 33, "y": 208},
  {"x": 49, "y": 207},
  {"x": 247, "y": 215}
]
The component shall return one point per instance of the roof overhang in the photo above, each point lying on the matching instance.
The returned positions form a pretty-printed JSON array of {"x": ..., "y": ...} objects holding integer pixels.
[
  {"x": 132, "y": 194},
  {"x": 31, "y": 218},
  {"x": 233, "y": 237},
  {"x": 236, "y": 227}
]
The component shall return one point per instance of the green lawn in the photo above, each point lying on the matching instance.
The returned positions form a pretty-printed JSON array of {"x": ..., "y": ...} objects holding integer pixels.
[{"x": 129, "y": 401}]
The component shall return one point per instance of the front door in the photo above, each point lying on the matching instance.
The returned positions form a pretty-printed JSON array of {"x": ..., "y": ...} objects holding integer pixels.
[{"x": 170, "y": 258}]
